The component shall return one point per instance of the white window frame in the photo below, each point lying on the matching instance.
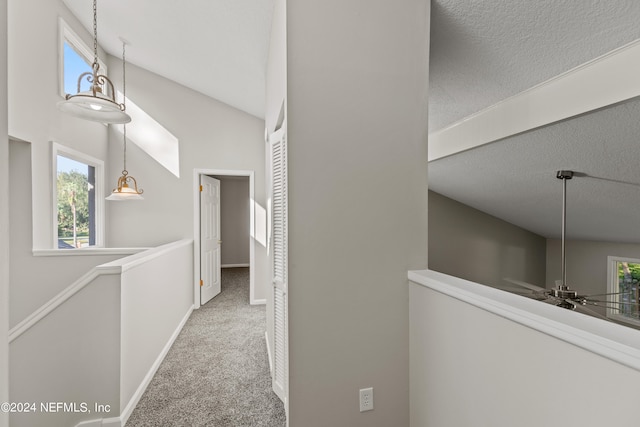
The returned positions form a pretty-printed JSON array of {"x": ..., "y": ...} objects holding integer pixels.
[
  {"x": 59, "y": 149},
  {"x": 66, "y": 34},
  {"x": 613, "y": 287}
]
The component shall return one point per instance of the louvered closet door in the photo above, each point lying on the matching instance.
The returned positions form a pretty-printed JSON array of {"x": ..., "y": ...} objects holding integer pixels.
[{"x": 279, "y": 218}]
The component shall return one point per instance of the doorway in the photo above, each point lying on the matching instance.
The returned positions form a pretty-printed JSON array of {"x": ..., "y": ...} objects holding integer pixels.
[{"x": 198, "y": 241}]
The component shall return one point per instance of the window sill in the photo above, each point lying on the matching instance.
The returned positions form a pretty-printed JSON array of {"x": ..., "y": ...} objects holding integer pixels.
[{"x": 87, "y": 251}]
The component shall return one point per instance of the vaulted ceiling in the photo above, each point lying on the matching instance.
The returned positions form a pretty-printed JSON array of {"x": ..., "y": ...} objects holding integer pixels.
[
  {"x": 482, "y": 52},
  {"x": 216, "y": 47}
]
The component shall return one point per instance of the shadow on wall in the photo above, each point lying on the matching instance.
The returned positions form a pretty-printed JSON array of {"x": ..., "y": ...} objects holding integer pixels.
[
  {"x": 235, "y": 220},
  {"x": 470, "y": 244}
]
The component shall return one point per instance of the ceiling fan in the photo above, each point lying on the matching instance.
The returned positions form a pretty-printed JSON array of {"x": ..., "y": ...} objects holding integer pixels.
[{"x": 562, "y": 295}]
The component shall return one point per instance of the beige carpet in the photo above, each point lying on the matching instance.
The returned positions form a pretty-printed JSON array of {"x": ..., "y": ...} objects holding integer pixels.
[{"x": 217, "y": 372}]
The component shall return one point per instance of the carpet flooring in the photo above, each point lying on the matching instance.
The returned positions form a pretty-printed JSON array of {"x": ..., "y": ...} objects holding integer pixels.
[{"x": 217, "y": 371}]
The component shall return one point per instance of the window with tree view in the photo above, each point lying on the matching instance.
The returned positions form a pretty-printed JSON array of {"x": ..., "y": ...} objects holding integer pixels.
[
  {"x": 624, "y": 289},
  {"x": 76, "y": 199}
]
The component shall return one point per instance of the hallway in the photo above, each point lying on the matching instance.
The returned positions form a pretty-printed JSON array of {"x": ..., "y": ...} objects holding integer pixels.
[{"x": 217, "y": 372}]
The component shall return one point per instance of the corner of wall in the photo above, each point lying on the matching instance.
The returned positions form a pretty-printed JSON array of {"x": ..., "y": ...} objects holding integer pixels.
[{"x": 4, "y": 218}]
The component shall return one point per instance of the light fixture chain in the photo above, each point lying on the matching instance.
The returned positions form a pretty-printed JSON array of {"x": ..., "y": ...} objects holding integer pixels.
[
  {"x": 125, "y": 145},
  {"x": 124, "y": 86},
  {"x": 124, "y": 190},
  {"x": 95, "y": 31},
  {"x": 124, "y": 101}
]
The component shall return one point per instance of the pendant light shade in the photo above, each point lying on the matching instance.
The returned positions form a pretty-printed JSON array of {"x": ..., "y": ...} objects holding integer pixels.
[
  {"x": 97, "y": 104},
  {"x": 124, "y": 191},
  {"x": 96, "y": 108}
]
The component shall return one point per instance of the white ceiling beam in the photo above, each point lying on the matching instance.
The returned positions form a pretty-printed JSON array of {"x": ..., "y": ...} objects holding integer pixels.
[{"x": 606, "y": 80}]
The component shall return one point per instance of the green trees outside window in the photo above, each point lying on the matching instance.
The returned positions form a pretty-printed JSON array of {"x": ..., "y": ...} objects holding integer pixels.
[
  {"x": 628, "y": 281},
  {"x": 76, "y": 204}
]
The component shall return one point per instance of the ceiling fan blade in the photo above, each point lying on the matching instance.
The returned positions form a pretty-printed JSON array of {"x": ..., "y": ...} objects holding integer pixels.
[
  {"x": 536, "y": 295},
  {"x": 517, "y": 291},
  {"x": 541, "y": 296},
  {"x": 584, "y": 310},
  {"x": 524, "y": 284},
  {"x": 602, "y": 295},
  {"x": 629, "y": 308}
]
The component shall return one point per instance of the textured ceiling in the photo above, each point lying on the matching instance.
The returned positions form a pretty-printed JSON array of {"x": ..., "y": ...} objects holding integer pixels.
[
  {"x": 515, "y": 179},
  {"x": 485, "y": 51},
  {"x": 216, "y": 47}
]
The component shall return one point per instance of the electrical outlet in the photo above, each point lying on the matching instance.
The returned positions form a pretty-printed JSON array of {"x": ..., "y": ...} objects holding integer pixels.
[{"x": 366, "y": 399}]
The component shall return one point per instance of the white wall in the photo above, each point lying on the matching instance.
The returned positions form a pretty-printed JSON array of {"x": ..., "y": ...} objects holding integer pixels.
[
  {"x": 33, "y": 95},
  {"x": 212, "y": 135},
  {"x": 33, "y": 92},
  {"x": 105, "y": 352},
  {"x": 276, "y": 87},
  {"x": 473, "y": 368},
  {"x": 72, "y": 355},
  {"x": 4, "y": 218},
  {"x": 234, "y": 220},
  {"x": 467, "y": 243},
  {"x": 357, "y": 144},
  {"x": 34, "y": 280},
  {"x": 156, "y": 298}
]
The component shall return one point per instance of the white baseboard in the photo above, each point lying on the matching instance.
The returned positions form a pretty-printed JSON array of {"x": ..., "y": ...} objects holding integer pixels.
[
  {"x": 258, "y": 302},
  {"x": 266, "y": 338},
  {"x": 126, "y": 413},
  {"x": 102, "y": 422},
  {"x": 90, "y": 423},
  {"x": 234, "y": 265}
]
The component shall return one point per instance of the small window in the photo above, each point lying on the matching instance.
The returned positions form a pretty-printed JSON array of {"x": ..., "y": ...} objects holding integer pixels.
[
  {"x": 75, "y": 58},
  {"x": 77, "y": 199},
  {"x": 624, "y": 290},
  {"x": 74, "y": 65}
]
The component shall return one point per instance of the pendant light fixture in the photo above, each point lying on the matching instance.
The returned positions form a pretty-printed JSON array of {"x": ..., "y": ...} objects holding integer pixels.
[
  {"x": 123, "y": 191},
  {"x": 99, "y": 102}
]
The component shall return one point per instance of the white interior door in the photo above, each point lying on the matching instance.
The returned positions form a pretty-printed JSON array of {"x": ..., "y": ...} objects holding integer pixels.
[{"x": 209, "y": 238}]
